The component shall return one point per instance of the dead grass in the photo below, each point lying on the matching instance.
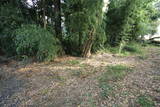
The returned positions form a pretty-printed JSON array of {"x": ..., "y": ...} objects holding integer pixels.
[
  {"x": 73, "y": 81},
  {"x": 113, "y": 74}
]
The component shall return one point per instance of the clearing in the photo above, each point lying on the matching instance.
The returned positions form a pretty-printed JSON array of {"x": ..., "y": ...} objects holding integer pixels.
[{"x": 103, "y": 80}]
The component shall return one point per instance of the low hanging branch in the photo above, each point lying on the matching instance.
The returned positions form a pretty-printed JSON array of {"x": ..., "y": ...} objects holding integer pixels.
[{"x": 86, "y": 52}]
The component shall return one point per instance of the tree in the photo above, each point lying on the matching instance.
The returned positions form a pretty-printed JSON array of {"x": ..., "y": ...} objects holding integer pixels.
[
  {"x": 57, "y": 14},
  {"x": 128, "y": 19},
  {"x": 83, "y": 19}
]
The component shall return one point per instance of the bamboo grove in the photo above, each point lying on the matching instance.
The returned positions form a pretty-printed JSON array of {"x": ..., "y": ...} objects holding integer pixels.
[{"x": 45, "y": 29}]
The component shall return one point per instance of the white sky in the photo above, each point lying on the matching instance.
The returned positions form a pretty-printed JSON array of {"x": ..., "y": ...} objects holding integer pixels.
[
  {"x": 104, "y": 8},
  {"x": 29, "y": 2},
  {"x": 158, "y": 30},
  {"x": 106, "y": 2}
]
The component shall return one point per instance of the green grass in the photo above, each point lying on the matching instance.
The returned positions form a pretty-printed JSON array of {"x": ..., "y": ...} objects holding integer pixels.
[
  {"x": 90, "y": 99},
  {"x": 112, "y": 74},
  {"x": 83, "y": 65},
  {"x": 73, "y": 62},
  {"x": 108, "y": 49},
  {"x": 157, "y": 77},
  {"x": 145, "y": 101},
  {"x": 45, "y": 91},
  {"x": 142, "y": 57},
  {"x": 106, "y": 90},
  {"x": 132, "y": 48}
]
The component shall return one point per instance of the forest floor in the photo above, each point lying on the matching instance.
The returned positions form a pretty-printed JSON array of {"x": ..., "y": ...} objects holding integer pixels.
[{"x": 103, "y": 80}]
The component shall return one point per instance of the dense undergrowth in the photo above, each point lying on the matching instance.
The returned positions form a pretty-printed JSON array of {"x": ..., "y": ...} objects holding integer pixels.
[{"x": 31, "y": 41}]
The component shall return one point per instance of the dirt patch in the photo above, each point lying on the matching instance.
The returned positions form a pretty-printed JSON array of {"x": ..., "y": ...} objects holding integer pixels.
[{"x": 71, "y": 82}]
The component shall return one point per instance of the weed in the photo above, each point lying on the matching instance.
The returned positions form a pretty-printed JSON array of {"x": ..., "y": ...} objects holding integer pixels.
[
  {"x": 55, "y": 76},
  {"x": 77, "y": 73},
  {"x": 142, "y": 57},
  {"x": 91, "y": 100},
  {"x": 115, "y": 73},
  {"x": 145, "y": 101},
  {"x": 129, "y": 49},
  {"x": 106, "y": 89},
  {"x": 81, "y": 74},
  {"x": 73, "y": 62},
  {"x": 83, "y": 65},
  {"x": 45, "y": 91},
  {"x": 156, "y": 78},
  {"x": 133, "y": 48}
]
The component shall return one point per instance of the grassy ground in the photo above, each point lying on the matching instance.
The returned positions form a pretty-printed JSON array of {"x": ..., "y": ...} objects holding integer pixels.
[
  {"x": 129, "y": 49},
  {"x": 112, "y": 74}
]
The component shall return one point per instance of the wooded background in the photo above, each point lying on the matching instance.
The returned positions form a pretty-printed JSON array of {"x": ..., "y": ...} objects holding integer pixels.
[{"x": 45, "y": 29}]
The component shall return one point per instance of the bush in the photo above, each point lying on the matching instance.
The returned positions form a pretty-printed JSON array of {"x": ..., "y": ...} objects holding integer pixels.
[
  {"x": 10, "y": 19},
  {"x": 133, "y": 48},
  {"x": 31, "y": 40}
]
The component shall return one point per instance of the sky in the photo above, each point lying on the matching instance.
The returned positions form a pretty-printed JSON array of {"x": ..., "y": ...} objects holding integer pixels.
[
  {"x": 29, "y": 2},
  {"x": 158, "y": 30},
  {"x": 104, "y": 8},
  {"x": 105, "y": 5}
]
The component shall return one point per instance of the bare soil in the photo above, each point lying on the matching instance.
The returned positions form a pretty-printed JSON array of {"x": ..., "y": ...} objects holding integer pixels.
[{"x": 64, "y": 83}]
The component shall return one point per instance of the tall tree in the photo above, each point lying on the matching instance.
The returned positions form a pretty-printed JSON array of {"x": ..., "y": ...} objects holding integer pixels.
[
  {"x": 83, "y": 22},
  {"x": 57, "y": 13},
  {"x": 128, "y": 19}
]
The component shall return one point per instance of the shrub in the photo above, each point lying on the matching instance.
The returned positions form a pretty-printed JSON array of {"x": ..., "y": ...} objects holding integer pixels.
[
  {"x": 133, "y": 48},
  {"x": 31, "y": 40},
  {"x": 10, "y": 19}
]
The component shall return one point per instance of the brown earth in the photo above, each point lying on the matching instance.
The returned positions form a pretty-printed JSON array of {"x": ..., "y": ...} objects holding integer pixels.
[{"x": 73, "y": 82}]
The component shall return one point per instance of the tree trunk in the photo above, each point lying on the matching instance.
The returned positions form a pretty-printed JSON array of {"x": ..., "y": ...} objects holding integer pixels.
[
  {"x": 86, "y": 52},
  {"x": 44, "y": 15},
  {"x": 57, "y": 11},
  {"x": 80, "y": 41}
]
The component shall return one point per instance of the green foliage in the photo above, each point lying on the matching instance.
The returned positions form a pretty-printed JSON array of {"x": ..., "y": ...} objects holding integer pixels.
[
  {"x": 128, "y": 19},
  {"x": 106, "y": 89},
  {"x": 82, "y": 16},
  {"x": 145, "y": 101},
  {"x": 84, "y": 26},
  {"x": 11, "y": 18},
  {"x": 115, "y": 73},
  {"x": 73, "y": 62},
  {"x": 133, "y": 48},
  {"x": 32, "y": 41}
]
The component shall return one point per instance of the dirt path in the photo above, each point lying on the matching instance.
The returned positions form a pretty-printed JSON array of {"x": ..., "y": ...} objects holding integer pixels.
[{"x": 75, "y": 83}]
